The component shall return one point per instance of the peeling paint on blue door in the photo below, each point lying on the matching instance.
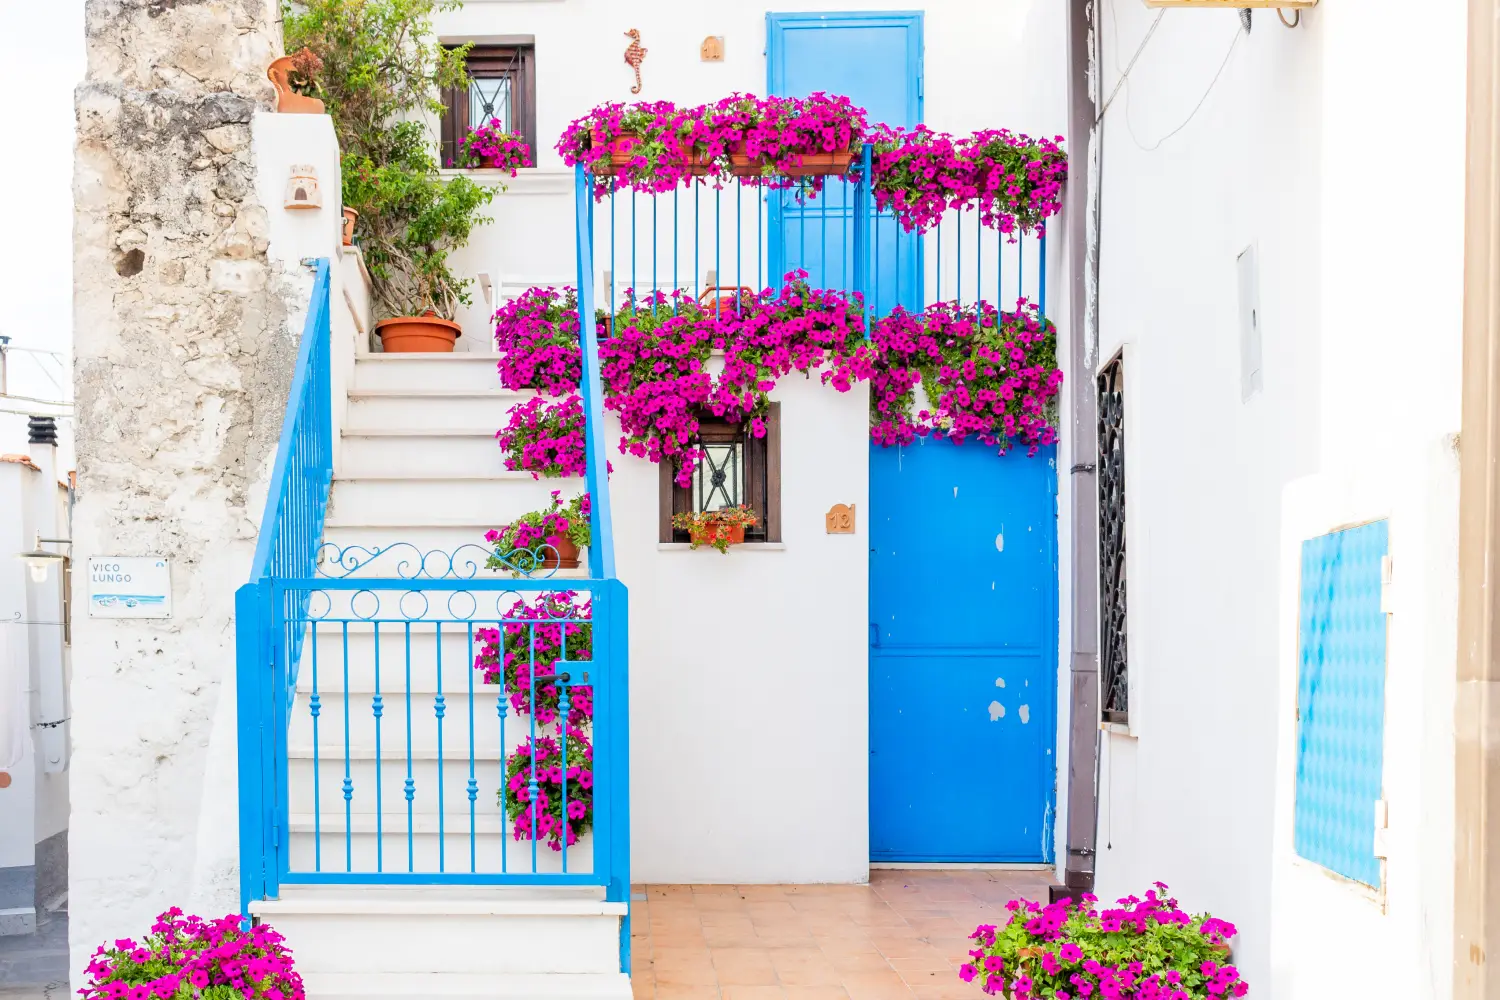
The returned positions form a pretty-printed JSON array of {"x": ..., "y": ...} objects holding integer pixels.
[{"x": 963, "y": 653}]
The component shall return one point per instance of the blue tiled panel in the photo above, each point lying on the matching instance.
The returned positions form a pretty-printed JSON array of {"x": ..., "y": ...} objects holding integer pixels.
[{"x": 1341, "y": 700}]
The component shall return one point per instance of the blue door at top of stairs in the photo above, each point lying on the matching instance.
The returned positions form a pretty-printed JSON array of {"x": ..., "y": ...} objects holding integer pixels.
[{"x": 875, "y": 60}]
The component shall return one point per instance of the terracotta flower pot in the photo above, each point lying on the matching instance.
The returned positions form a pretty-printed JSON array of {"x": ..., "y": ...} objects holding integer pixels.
[
  {"x": 288, "y": 101},
  {"x": 418, "y": 334},
  {"x": 710, "y": 532},
  {"x": 564, "y": 555},
  {"x": 350, "y": 215},
  {"x": 621, "y": 152},
  {"x": 822, "y": 165},
  {"x": 740, "y": 163}
]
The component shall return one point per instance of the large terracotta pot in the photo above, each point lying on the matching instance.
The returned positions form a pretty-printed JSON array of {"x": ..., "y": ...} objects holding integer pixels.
[
  {"x": 428, "y": 334},
  {"x": 288, "y": 101},
  {"x": 350, "y": 217},
  {"x": 565, "y": 555}
]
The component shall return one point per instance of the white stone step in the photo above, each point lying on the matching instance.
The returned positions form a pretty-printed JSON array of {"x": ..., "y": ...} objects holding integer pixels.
[
  {"x": 450, "y": 986},
  {"x": 499, "y": 933},
  {"x": 357, "y": 852},
  {"x": 397, "y": 499},
  {"x": 448, "y": 452},
  {"x": 430, "y": 409},
  {"x": 427, "y": 371}
]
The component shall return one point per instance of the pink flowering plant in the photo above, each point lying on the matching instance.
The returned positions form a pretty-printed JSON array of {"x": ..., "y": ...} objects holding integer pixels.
[
  {"x": 489, "y": 145},
  {"x": 536, "y": 641},
  {"x": 564, "y": 778},
  {"x": 984, "y": 373},
  {"x": 646, "y": 133},
  {"x": 1143, "y": 949},
  {"x": 521, "y": 545},
  {"x": 1014, "y": 181},
  {"x": 536, "y": 334},
  {"x": 189, "y": 957},
  {"x": 545, "y": 438}
]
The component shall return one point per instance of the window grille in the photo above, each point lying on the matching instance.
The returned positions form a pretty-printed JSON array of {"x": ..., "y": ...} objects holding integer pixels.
[{"x": 1113, "y": 656}]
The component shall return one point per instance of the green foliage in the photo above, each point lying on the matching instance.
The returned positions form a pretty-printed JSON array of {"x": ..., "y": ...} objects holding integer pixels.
[{"x": 380, "y": 72}]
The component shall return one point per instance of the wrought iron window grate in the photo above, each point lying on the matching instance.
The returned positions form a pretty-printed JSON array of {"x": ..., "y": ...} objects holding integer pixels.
[{"x": 1114, "y": 663}]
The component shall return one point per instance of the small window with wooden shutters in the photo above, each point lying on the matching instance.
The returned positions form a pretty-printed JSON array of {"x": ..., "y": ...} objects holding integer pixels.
[
  {"x": 739, "y": 468},
  {"x": 502, "y": 86}
]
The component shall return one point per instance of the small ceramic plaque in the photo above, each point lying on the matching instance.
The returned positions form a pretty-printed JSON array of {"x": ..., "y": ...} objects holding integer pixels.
[
  {"x": 130, "y": 587},
  {"x": 840, "y": 519}
]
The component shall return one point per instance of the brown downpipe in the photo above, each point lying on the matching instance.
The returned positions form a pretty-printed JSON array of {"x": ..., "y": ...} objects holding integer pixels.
[
  {"x": 1476, "y": 889},
  {"x": 1083, "y": 738}
]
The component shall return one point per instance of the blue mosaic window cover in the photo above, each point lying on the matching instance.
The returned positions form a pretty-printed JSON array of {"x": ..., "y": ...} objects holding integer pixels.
[{"x": 1341, "y": 700}]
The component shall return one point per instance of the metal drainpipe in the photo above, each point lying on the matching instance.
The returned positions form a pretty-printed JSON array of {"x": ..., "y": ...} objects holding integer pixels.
[{"x": 1082, "y": 291}]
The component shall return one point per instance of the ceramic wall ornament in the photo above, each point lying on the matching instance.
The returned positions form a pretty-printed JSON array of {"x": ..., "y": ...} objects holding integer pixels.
[
  {"x": 302, "y": 190},
  {"x": 634, "y": 56},
  {"x": 840, "y": 519},
  {"x": 281, "y": 72},
  {"x": 712, "y": 49}
]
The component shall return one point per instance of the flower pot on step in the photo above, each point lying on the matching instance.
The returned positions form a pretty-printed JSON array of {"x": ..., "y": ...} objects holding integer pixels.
[
  {"x": 429, "y": 334},
  {"x": 822, "y": 165},
  {"x": 563, "y": 555},
  {"x": 350, "y": 217},
  {"x": 288, "y": 101}
]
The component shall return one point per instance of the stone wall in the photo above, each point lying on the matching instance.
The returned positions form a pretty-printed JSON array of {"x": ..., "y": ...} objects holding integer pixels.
[{"x": 186, "y": 337}]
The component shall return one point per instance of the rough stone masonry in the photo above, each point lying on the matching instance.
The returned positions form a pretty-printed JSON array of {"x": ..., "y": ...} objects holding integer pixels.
[{"x": 183, "y": 359}]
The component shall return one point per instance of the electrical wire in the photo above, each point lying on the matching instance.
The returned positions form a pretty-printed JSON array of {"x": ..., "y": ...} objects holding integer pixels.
[
  {"x": 1238, "y": 34},
  {"x": 1131, "y": 65},
  {"x": 1296, "y": 17}
]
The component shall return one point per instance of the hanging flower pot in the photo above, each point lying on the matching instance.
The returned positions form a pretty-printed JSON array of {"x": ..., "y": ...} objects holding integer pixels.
[
  {"x": 350, "y": 217},
  {"x": 740, "y": 163},
  {"x": 425, "y": 334},
  {"x": 621, "y": 150},
  {"x": 822, "y": 165}
]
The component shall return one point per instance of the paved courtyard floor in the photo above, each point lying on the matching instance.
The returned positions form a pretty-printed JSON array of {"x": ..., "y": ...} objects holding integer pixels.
[
  {"x": 35, "y": 966},
  {"x": 903, "y": 935}
]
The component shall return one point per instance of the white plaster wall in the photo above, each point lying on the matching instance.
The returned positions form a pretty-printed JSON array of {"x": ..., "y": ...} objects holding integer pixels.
[
  {"x": 725, "y": 723},
  {"x": 18, "y": 802},
  {"x": 1361, "y": 323},
  {"x": 748, "y": 671}
]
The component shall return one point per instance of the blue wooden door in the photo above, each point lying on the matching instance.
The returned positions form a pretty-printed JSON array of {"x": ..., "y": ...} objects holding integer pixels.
[
  {"x": 875, "y": 60},
  {"x": 963, "y": 639}
]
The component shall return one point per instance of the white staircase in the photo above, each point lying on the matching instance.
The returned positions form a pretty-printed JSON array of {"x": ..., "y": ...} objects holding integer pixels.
[{"x": 419, "y": 464}]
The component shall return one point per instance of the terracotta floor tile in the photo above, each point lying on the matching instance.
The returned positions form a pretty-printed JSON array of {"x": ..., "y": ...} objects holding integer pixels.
[
  {"x": 744, "y": 967},
  {"x": 725, "y": 918},
  {"x": 950, "y": 991},
  {"x": 876, "y": 986},
  {"x": 819, "y": 972},
  {"x": 859, "y": 963},
  {"x": 926, "y": 959},
  {"x": 816, "y": 993},
  {"x": 676, "y": 991},
  {"x": 753, "y": 993},
  {"x": 784, "y": 937}
]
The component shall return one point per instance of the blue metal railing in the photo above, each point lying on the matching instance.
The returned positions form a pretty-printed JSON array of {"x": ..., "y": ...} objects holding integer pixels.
[{"x": 735, "y": 234}]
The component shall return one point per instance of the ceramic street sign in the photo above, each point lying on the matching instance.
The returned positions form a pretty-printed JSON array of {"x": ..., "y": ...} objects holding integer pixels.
[{"x": 129, "y": 587}]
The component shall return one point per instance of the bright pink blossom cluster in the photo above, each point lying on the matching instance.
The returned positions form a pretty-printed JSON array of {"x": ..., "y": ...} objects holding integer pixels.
[
  {"x": 564, "y": 777},
  {"x": 1144, "y": 949},
  {"x": 533, "y": 646},
  {"x": 1015, "y": 181},
  {"x": 984, "y": 373},
  {"x": 520, "y": 544},
  {"x": 545, "y": 437},
  {"x": 490, "y": 145},
  {"x": 537, "y": 336},
  {"x": 187, "y": 956},
  {"x": 659, "y": 146}
]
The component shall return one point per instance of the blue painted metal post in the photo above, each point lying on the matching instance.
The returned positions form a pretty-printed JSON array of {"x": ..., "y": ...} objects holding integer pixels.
[
  {"x": 252, "y": 697},
  {"x": 617, "y": 606},
  {"x": 863, "y": 236},
  {"x": 601, "y": 545}
]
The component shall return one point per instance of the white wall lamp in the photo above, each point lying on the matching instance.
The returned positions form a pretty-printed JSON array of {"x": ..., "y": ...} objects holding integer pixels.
[{"x": 40, "y": 561}]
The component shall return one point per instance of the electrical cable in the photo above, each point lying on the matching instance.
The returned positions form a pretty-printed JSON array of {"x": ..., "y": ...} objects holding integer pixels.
[
  {"x": 1296, "y": 17},
  {"x": 1130, "y": 66},
  {"x": 1196, "y": 108}
]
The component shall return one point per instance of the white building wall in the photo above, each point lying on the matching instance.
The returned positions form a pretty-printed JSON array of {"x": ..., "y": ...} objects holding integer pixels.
[
  {"x": 749, "y": 674},
  {"x": 1336, "y": 150}
]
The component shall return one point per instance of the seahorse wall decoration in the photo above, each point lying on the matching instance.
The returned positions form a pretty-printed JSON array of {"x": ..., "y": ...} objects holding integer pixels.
[{"x": 634, "y": 56}]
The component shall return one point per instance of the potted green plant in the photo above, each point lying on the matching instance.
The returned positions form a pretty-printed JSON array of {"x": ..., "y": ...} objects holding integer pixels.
[
  {"x": 720, "y": 528},
  {"x": 380, "y": 73}
]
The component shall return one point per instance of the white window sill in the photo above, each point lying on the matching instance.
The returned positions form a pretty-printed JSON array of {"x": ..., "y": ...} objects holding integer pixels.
[
  {"x": 1116, "y": 729},
  {"x": 528, "y": 180},
  {"x": 745, "y": 547}
]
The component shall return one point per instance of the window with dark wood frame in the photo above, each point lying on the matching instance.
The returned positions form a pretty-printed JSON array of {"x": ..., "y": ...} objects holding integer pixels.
[
  {"x": 740, "y": 468},
  {"x": 1114, "y": 663},
  {"x": 502, "y": 85}
]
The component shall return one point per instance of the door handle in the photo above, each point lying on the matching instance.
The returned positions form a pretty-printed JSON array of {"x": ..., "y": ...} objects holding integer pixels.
[{"x": 874, "y": 635}]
